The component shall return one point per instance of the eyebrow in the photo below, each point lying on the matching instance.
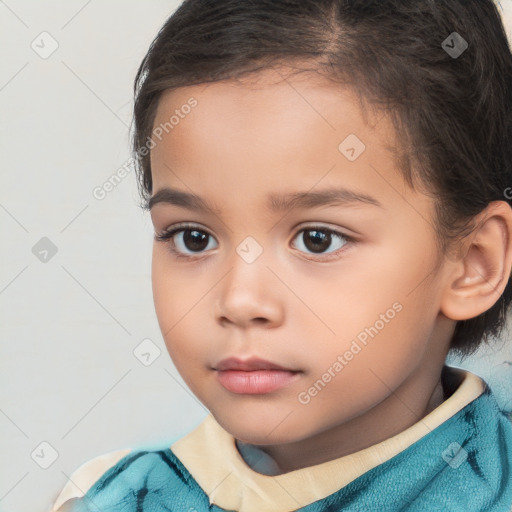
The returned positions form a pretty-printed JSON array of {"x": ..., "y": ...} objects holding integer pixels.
[{"x": 275, "y": 202}]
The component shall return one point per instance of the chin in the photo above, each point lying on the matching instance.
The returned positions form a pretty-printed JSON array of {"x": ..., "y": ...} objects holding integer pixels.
[{"x": 264, "y": 429}]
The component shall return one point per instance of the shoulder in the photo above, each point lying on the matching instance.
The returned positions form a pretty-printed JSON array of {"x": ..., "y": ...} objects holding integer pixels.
[
  {"x": 120, "y": 479},
  {"x": 86, "y": 475}
]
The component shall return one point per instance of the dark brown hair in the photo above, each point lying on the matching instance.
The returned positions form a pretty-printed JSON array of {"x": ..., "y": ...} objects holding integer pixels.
[{"x": 452, "y": 113}]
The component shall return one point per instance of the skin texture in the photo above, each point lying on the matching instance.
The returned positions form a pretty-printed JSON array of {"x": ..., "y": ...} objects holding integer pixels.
[{"x": 279, "y": 133}]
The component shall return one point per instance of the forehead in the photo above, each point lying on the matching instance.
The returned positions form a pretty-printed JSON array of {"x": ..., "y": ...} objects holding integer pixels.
[
  {"x": 271, "y": 93},
  {"x": 275, "y": 131},
  {"x": 274, "y": 107}
]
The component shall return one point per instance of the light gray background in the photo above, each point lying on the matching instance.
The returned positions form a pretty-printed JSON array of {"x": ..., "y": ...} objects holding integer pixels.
[{"x": 69, "y": 325}]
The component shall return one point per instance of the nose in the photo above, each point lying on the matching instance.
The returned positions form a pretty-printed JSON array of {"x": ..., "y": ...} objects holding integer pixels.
[{"x": 250, "y": 294}]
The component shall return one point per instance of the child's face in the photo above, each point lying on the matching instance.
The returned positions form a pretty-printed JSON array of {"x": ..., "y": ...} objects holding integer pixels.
[{"x": 304, "y": 300}]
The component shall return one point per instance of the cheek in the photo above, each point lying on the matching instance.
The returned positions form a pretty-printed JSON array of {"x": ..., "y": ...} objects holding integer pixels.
[
  {"x": 170, "y": 299},
  {"x": 164, "y": 295},
  {"x": 380, "y": 315},
  {"x": 174, "y": 294},
  {"x": 177, "y": 302},
  {"x": 352, "y": 297},
  {"x": 370, "y": 370}
]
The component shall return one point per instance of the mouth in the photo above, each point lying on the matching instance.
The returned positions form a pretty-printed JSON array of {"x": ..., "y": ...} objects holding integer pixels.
[{"x": 253, "y": 376}]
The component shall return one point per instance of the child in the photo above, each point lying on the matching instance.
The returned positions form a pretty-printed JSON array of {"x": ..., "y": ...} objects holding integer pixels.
[{"x": 345, "y": 169}]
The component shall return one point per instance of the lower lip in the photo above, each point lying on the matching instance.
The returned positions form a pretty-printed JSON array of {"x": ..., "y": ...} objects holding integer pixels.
[{"x": 255, "y": 382}]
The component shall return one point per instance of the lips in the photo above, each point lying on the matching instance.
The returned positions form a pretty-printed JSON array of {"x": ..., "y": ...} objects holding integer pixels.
[
  {"x": 253, "y": 376},
  {"x": 248, "y": 365}
]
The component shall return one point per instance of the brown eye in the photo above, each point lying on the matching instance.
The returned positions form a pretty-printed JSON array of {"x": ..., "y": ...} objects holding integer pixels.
[
  {"x": 194, "y": 240},
  {"x": 318, "y": 240},
  {"x": 185, "y": 241},
  {"x": 188, "y": 241}
]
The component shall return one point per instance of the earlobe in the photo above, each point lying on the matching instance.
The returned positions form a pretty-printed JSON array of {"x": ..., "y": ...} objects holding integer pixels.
[{"x": 482, "y": 272}]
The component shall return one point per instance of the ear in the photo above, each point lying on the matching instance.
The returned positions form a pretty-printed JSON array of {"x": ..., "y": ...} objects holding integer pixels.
[{"x": 480, "y": 274}]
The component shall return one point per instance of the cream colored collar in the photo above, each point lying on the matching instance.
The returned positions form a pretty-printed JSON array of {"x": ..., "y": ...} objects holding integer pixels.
[{"x": 211, "y": 456}]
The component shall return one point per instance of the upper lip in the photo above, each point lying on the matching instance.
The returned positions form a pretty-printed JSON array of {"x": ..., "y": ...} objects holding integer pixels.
[{"x": 251, "y": 364}]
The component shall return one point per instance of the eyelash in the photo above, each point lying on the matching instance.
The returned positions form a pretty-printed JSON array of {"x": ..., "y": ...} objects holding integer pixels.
[{"x": 167, "y": 235}]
